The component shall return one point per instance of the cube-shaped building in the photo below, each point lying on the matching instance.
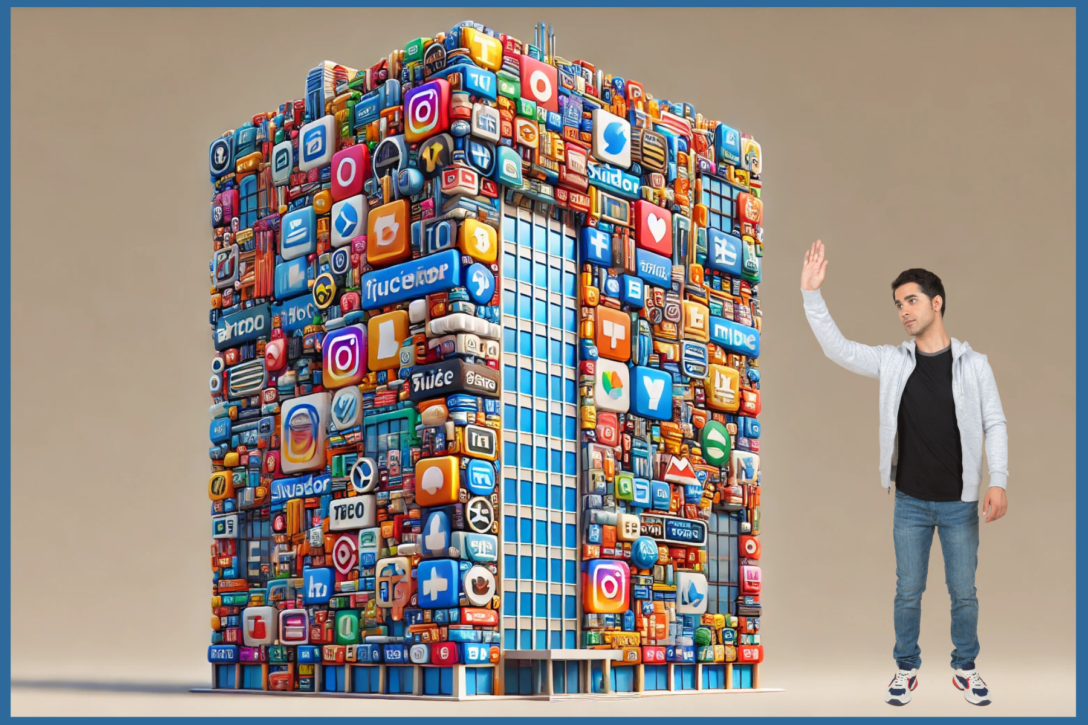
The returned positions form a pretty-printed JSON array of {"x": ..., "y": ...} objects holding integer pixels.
[{"x": 486, "y": 385}]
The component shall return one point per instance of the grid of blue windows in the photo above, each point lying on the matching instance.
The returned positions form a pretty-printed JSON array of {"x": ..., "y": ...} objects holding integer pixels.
[
  {"x": 722, "y": 562},
  {"x": 718, "y": 197},
  {"x": 540, "y": 436}
]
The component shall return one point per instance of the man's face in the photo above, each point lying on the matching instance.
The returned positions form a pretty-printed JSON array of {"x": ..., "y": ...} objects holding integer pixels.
[{"x": 916, "y": 310}]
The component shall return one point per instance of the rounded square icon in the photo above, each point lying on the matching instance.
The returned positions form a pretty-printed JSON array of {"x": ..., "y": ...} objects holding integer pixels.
[
  {"x": 350, "y": 170},
  {"x": 480, "y": 477},
  {"x": 628, "y": 527},
  {"x": 347, "y": 627},
  {"x": 316, "y": 585},
  {"x": 749, "y": 209},
  {"x": 752, "y": 156},
  {"x": 347, "y": 408},
  {"x": 292, "y": 278},
  {"x": 749, "y": 547},
  {"x": 696, "y": 321},
  {"x": 611, "y": 138},
  {"x": 386, "y": 333},
  {"x": 283, "y": 161},
  {"x": 394, "y": 585},
  {"x": 438, "y": 481},
  {"x": 484, "y": 50},
  {"x": 612, "y": 386},
  {"x": 303, "y": 425},
  {"x": 315, "y": 143},
  {"x": 344, "y": 355},
  {"x": 691, "y": 592},
  {"x": 225, "y": 267},
  {"x": 632, "y": 291},
  {"x": 540, "y": 84},
  {"x": 723, "y": 253},
  {"x": 653, "y": 228},
  {"x": 426, "y": 110},
  {"x": 652, "y": 393},
  {"x": 259, "y": 626},
  {"x": 221, "y": 157},
  {"x": 613, "y": 334},
  {"x": 436, "y": 534},
  {"x": 438, "y": 583},
  {"x": 727, "y": 142},
  {"x": 387, "y": 234},
  {"x": 478, "y": 240},
  {"x": 608, "y": 429},
  {"x": 485, "y": 122},
  {"x": 348, "y": 220},
  {"x": 607, "y": 588},
  {"x": 294, "y": 627},
  {"x": 722, "y": 386},
  {"x": 298, "y": 233},
  {"x": 508, "y": 167},
  {"x": 345, "y": 551}
]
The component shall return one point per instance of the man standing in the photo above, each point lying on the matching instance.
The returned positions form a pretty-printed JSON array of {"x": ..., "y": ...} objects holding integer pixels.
[{"x": 938, "y": 398}]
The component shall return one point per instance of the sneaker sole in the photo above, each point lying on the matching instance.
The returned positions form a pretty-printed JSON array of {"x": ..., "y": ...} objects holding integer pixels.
[{"x": 966, "y": 695}]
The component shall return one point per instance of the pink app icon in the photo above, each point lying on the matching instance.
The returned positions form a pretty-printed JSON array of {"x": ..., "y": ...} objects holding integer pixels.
[{"x": 344, "y": 353}]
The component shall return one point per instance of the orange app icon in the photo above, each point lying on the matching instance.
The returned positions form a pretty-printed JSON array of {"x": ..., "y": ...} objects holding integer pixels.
[
  {"x": 478, "y": 240},
  {"x": 385, "y": 333},
  {"x": 387, "y": 234},
  {"x": 722, "y": 388},
  {"x": 437, "y": 481},
  {"x": 750, "y": 209},
  {"x": 613, "y": 334},
  {"x": 696, "y": 321}
]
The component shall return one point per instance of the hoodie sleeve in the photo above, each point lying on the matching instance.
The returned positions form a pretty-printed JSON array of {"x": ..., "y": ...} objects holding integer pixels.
[
  {"x": 993, "y": 425},
  {"x": 855, "y": 357}
]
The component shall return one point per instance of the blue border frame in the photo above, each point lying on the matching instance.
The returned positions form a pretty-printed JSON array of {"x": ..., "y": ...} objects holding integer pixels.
[{"x": 5, "y": 261}]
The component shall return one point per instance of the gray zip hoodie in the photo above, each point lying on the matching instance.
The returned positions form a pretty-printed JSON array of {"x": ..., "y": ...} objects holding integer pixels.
[{"x": 974, "y": 390}]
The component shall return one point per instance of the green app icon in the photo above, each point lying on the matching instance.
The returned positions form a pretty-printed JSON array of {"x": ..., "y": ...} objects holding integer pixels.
[{"x": 716, "y": 445}]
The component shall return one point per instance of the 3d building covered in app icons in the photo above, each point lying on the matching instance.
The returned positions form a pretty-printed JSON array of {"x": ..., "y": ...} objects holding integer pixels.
[{"x": 485, "y": 389}]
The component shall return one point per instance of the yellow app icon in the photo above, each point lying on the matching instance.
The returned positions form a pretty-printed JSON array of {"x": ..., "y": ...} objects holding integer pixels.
[
  {"x": 722, "y": 388},
  {"x": 385, "y": 333},
  {"x": 484, "y": 50},
  {"x": 696, "y": 321},
  {"x": 478, "y": 240},
  {"x": 387, "y": 234}
]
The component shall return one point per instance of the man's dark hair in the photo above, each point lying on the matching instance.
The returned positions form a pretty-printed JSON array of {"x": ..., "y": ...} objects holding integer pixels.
[{"x": 930, "y": 283}]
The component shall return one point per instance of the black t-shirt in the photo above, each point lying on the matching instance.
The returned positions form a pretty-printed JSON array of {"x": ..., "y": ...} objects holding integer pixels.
[{"x": 930, "y": 460}]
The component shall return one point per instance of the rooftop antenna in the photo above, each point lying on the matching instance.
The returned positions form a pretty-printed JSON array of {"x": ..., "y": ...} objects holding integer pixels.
[{"x": 551, "y": 43}]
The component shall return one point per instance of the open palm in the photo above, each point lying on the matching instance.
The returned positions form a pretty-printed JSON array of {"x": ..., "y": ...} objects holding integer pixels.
[{"x": 812, "y": 274}]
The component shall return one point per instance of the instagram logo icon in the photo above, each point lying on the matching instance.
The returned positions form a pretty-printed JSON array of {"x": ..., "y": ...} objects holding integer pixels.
[
  {"x": 608, "y": 586},
  {"x": 343, "y": 352},
  {"x": 426, "y": 110}
]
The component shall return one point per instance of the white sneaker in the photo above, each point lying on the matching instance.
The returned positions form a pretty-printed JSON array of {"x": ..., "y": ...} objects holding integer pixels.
[
  {"x": 974, "y": 689},
  {"x": 900, "y": 687}
]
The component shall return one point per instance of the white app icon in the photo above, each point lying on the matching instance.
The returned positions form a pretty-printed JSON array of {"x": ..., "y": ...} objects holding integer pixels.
[
  {"x": 387, "y": 340},
  {"x": 433, "y": 480}
]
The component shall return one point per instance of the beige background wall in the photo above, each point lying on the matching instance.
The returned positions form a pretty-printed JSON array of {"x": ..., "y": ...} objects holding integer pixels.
[{"x": 935, "y": 138}]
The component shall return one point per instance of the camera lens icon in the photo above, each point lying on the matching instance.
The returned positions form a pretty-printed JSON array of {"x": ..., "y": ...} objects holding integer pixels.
[{"x": 609, "y": 587}]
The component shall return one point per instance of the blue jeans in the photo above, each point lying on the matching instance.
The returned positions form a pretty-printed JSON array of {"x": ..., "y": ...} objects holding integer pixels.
[{"x": 957, "y": 525}]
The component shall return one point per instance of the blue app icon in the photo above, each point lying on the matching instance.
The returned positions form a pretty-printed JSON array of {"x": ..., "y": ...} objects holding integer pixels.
[
  {"x": 642, "y": 493},
  {"x": 660, "y": 495},
  {"x": 292, "y": 278},
  {"x": 644, "y": 552},
  {"x": 438, "y": 584},
  {"x": 596, "y": 247},
  {"x": 313, "y": 144},
  {"x": 611, "y": 287},
  {"x": 480, "y": 283},
  {"x": 346, "y": 221},
  {"x": 723, "y": 253},
  {"x": 508, "y": 167},
  {"x": 479, "y": 477},
  {"x": 654, "y": 268},
  {"x": 220, "y": 157},
  {"x": 316, "y": 585},
  {"x": 436, "y": 534},
  {"x": 632, "y": 291},
  {"x": 652, "y": 393},
  {"x": 482, "y": 156},
  {"x": 734, "y": 337},
  {"x": 727, "y": 142},
  {"x": 298, "y": 233}
]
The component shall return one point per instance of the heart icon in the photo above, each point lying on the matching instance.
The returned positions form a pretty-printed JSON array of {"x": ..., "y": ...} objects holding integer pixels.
[{"x": 656, "y": 225}]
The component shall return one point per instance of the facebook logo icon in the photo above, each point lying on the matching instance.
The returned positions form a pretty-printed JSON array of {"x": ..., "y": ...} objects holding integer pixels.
[{"x": 596, "y": 247}]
